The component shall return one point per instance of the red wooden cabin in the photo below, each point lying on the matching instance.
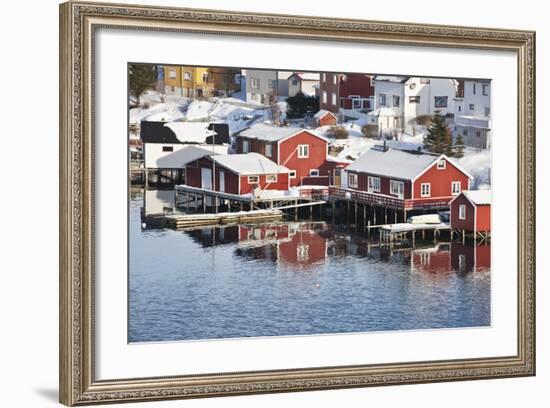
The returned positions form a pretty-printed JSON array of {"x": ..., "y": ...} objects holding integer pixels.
[
  {"x": 302, "y": 151},
  {"x": 471, "y": 211},
  {"x": 347, "y": 91},
  {"x": 237, "y": 173},
  {"x": 325, "y": 118},
  {"x": 404, "y": 179}
]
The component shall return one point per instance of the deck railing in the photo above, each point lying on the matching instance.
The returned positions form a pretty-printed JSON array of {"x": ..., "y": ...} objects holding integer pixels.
[{"x": 386, "y": 201}]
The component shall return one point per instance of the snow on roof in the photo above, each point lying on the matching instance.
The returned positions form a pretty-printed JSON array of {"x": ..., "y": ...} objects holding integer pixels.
[
  {"x": 306, "y": 76},
  {"x": 190, "y": 132},
  {"x": 249, "y": 163},
  {"x": 191, "y": 153},
  {"x": 402, "y": 164},
  {"x": 322, "y": 113},
  {"x": 478, "y": 197},
  {"x": 384, "y": 112},
  {"x": 389, "y": 78},
  {"x": 270, "y": 133}
]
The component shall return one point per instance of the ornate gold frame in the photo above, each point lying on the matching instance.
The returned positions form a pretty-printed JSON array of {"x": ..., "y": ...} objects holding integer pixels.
[{"x": 77, "y": 24}]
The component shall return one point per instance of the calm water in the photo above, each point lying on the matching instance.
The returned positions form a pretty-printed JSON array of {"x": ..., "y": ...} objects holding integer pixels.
[{"x": 293, "y": 278}]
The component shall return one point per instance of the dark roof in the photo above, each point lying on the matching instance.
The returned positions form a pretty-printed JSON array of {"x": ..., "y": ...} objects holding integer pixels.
[
  {"x": 156, "y": 132},
  {"x": 222, "y": 133}
]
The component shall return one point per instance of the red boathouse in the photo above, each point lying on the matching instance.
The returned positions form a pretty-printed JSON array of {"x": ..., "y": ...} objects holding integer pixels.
[
  {"x": 471, "y": 212},
  {"x": 237, "y": 173},
  {"x": 302, "y": 151},
  {"x": 404, "y": 179}
]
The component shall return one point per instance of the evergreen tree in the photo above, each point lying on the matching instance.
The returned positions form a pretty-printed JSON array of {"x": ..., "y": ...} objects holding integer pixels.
[
  {"x": 141, "y": 78},
  {"x": 459, "y": 146},
  {"x": 438, "y": 139}
]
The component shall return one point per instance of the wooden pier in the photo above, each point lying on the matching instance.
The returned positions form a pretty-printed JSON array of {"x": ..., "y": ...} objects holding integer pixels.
[
  {"x": 391, "y": 234},
  {"x": 182, "y": 221}
]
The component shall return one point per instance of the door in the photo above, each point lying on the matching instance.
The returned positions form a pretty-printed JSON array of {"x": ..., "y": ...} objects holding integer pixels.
[
  {"x": 222, "y": 182},
  {"x": 337, "y": 177},
  {"x": 400, "y": 190},
  {"x": 206, "y": 178}
]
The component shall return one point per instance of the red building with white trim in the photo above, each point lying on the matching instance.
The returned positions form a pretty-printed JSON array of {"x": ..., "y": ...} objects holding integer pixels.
[
  {"x": 471, "y": 211},
  {"x": 405, "y": 179},
  {"x": 346, "y": 91},
  {"x": 237, "y": 173},
  {"x": 302, "y": 151},
  {"x": 325, "y": 118}
]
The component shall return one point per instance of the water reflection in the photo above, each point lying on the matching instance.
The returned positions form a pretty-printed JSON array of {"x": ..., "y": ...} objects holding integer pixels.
[{"x": 294, "y": 278}]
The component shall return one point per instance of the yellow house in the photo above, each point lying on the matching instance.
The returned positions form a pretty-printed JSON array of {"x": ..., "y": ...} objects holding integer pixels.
[{"x": 191, "y": 82}]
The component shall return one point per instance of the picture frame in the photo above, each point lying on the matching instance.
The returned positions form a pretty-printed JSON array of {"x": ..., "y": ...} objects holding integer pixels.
[{"x": 79, "y": 22}]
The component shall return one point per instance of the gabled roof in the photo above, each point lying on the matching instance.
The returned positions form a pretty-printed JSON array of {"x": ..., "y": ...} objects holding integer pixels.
[
  {"x": 191, "y": 153},
  {"x": 390, "y": 78},
  {"x": 175, "y": 132},
  {"x": 322, "y": 113},
  {"x": 269, "y": 133},
  {"x": 477, "y": 197},
  {"x": 306, "y": 76},
  {"x": 397, "y": 163},
  {"x": 249, "y": 164},
  {"x": 383, "y": 112}
]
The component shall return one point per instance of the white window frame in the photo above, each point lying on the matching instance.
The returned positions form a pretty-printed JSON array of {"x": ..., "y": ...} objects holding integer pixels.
[
  {"x": 255, "y": 83},
  {"x": 380, "y": 98},
  {"x": 441, "y": 164},
  {"x": 373, "y": 184},
  {"x": 253, "y": 179},
  {"x": 462, "y": 212},
  {"x": 334, "y": 99},
  {"x": 271, "y": 178},
  {"x": 485, "y": 89},
  {"x": 246, "y": 146},
  {"x": 396, "y": 98},
  {"x": 394, "y": 187},
  {"x": 429, "y": 191},
  {"x": 353, "y": 180},
  {"x": 325, "y": 99},
  {"x": 172, "y": 74},
  {"x": 292, "y": 174},
  {"x": 303, "y": 151},
  {"x": 324, "y": 77},
  {"x": 268, "y": 150},
  {"x": 314, "y": 172},
  {"x": 456, "y": 188},
  {"x": 335, "y": 79},
  {"x": 187, "y": 76}
]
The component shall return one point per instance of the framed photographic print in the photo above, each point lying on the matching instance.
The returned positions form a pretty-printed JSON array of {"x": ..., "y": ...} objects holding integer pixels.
[{"x": 256, "y": 203}]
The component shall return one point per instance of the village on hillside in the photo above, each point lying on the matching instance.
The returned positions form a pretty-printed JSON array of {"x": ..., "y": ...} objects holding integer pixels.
[{"x": 402, "y": 153}]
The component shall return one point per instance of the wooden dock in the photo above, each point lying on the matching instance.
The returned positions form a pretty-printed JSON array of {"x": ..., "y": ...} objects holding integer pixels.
[
  {"x": 180, "y": 221},
  {"x": 392, "y": 233}
]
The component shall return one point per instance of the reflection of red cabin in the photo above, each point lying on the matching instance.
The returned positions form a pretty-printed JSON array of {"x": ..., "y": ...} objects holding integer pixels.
[
  {"x": 470, "y": 257},
  {"x": 237, "y": 173},
  {"x": 302, "y": 151},
  {"x": 325, "y": 118},
  {"x": 471, "y": 211},
  {"x": 432, "y": 260},
  {"x": 406, "y": 179},
  {"x": 305, "y": 247}
]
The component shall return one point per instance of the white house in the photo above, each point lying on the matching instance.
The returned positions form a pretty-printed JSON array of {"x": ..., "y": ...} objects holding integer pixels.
[
  {"x": 410, "y": 97},
  {"x": 473, "y": 114},
  {"x": 170, "y": 146},
  {"x": 291, "y": 83}
]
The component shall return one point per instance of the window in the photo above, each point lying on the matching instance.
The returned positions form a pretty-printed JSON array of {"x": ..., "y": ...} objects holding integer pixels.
[
  {"x": 396, "y": 187},
  {"x": 292, "y": 174},
  {"x": 268, "y": 150},
  {"x": 382, "y": 100},
  {"x": 172, "y": 74},
  {"x": 187, "y": 76},
  {"x": 271, "y": 178},
  {"x": 485, "y": 89},
  {"x": 254, "y": 83},
  {"x": 324, "y": 77},
  {"x": 425, "y": 189},
  {"x": 324, "y": 96},
  {"x": 303, "y": 151},
  {"x": 472, "y": 106},
  {"x": 414, "y": 99},
  {"x": 396, "y": 100},
  {"x": 374, "y": 184},
  {"x": 462, "y": 262},
  {"x": 335, "y": 79},
  {"x": 302, "y": 252},
  {"x": 295, "y": 82},
  {"x": 441, "y": 164},
  {"x": 205, "y": 77},
  {"x": 440, "y": 101},
  {"x": 459, "y": 108},
  {"x": 334, "y": 98},
  {"x": 246, "y": 146},
  {"x": 352, "y": 180},
  {"x": 487, "y": 111},
  {"x": 253, "y": 179},
  {"x": 474, "y": 88},
  {"x": 462, "y": 212},
  {"x": 272, "y": 83},
  {"x": 478, "y": 133},
  {"x": 314, "y": 172},
  {"x": 465, "y": 132},
  {"x": 455, "y": 188},
  {"x": 167, "y": 148}
]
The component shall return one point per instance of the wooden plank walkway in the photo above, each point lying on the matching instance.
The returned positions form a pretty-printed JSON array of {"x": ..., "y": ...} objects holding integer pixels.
[{"x": 178, "y": 221}]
